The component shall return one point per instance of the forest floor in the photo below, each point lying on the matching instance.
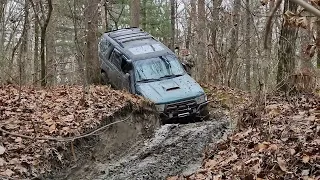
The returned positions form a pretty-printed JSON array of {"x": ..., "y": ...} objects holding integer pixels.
[
  {"x": 55, "y": 133},
  {"x": 277, "y": 137},
  {"x": 172, "y": 148},
  {"x": 46, "y": 130}
]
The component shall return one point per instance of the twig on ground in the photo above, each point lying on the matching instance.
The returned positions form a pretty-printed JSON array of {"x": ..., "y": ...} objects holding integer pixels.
[{"x": 8, "y": 178}]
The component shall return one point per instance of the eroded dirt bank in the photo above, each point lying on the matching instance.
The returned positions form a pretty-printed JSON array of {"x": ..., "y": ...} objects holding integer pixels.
[{"x": 172, "y": 149}]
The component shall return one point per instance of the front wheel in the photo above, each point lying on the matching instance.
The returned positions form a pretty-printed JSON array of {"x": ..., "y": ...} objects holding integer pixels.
[
  {"x": 104, "y": 78},
  {"x": 204, "y": 114}
]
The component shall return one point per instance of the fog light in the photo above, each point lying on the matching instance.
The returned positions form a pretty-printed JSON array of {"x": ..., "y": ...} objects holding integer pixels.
[{"x": 160, "y": 107}]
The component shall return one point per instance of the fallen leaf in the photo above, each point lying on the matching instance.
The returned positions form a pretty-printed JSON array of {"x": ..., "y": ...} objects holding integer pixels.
[
  {"x": 200, "y": 176},
  {"x": 305, "y": 172},
  {"x": 211, "y": 163},
  {"x": 256, "y": 168},
  {"x": 262, "y": 147},
  {"x": 18, "y": 139},
  {"x": 8, "y": 172},
  {"x": 2, "y": 162},
  {"x": 69, "y": 118},
  {"x": 282, "y": 164},
  {"x": 2, "y": 150},
  {"x": 292, "y": 151},
  {"x": 305, "y": 159},
  {"x": 273, "y": 147},
  {"x": 52, "y": 128},
  {"x": 173, "y": 178},
  {"x": 252, "y": 160}
]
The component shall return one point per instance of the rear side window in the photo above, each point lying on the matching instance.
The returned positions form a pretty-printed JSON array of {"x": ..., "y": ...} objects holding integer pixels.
[
  {"x": 116, "y": 59},
  {"x": 104, "y": 46}
]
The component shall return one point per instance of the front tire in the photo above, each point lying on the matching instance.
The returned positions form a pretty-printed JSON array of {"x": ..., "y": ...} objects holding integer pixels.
[
  {"x": 204, "y": 114},
  {"x": 104, "y": 78}
]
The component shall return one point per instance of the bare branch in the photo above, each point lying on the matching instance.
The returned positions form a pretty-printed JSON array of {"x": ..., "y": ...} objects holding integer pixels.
[
  {"x": 308, "y": 7},
  {"x": 268, "y": 25}
]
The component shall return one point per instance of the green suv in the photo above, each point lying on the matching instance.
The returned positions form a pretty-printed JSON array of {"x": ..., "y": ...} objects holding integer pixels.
[{"x": 133, "y": 60}]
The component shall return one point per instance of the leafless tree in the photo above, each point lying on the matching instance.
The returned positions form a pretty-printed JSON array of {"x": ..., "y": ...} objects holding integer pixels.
[{"x": 43, "y": 21}]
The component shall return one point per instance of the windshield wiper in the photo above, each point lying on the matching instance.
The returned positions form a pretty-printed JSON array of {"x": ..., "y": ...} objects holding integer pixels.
[{"x": 148, "y": 80}]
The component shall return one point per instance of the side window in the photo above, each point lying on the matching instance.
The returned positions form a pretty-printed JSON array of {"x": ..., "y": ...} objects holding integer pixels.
[
  {"x": 116, "y": 59},
  {"x": 104, "y": 45},
  {"x": 125, "y": 66}
]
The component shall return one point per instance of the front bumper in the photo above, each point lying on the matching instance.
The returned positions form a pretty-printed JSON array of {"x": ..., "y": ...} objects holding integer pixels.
[{"x": 184, "y": 109}]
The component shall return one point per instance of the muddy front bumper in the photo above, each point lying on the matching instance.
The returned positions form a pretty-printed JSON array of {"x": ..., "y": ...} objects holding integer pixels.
[{"x": 184, "y": 109}]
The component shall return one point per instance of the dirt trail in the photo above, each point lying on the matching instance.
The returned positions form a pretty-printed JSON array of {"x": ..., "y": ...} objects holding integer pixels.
[{"x": 172, "y": 149}]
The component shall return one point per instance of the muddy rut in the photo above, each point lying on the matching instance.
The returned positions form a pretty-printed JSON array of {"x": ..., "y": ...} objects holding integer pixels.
[{"x": 170, "y": 150}]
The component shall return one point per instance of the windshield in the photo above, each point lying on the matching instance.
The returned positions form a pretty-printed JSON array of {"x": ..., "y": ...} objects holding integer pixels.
[{"x": 157, "y": 68}]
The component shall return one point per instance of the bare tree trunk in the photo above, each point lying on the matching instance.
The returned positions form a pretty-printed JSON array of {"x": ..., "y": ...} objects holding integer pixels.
[
  {"x": 173, "y": 23},
  {"x": 43, "y": 44},
  {"x": 286, "y": 53},
  {"x": 43, "y": 32},
  {"x": 248, "y": 45},
  {"x": 24, "y": 46},
  {"x": 135, "y": 13},
  {"x": 91, "y": 55},
  {"x": 234, "y": 42},
  {"x": 303, "y": 80},
  {"x": 202, "y": 39},
  {"x": 215, "y": 16},
  {"x": 2, "y": 6},
  {"x": 36, "y": 52},
  {"x": 318, "y": 50},
  {"x": 214, "y": 28},
  {"x": 188, "y": 39},
  {"x": 193, "y": 48},
  {"x": 50, "y": 55},
  {"x": 268, "y": 52},
  {"x": 144, "y": 14}
]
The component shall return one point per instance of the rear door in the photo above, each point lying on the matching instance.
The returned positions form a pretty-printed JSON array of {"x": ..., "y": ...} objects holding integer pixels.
[
  {"x": 104, "y": 52},
  {"x": 115, "y": 65}
]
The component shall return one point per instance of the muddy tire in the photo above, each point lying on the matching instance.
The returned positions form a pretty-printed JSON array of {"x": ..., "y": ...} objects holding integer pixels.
[
  {"x": 204, "y": 115},
  {"x": 104, "y": 78}
]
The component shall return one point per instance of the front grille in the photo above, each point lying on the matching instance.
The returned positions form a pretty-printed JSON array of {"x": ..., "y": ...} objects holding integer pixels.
[{"x": 181, "y": 107}]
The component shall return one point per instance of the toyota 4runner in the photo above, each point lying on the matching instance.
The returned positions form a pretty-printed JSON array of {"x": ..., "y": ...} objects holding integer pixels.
[{"x": 134, "y": 60}]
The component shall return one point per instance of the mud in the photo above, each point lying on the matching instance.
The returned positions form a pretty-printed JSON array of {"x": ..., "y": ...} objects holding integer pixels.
[{"x": 172, "y": 149}]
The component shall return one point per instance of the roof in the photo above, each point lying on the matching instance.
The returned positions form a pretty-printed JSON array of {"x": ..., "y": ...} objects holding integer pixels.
[{"x": 138, "y": 44}]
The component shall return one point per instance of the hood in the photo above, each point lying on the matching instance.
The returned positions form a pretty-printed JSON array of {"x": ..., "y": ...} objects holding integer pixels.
[{"x": 170, "y": 90}]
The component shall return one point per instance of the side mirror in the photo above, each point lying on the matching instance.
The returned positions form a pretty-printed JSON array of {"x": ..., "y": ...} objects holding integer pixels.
[{"x": 187, "y": 68}]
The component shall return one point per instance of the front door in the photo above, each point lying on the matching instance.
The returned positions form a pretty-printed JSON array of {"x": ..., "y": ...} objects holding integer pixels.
[{"x": 120, "y": 74}]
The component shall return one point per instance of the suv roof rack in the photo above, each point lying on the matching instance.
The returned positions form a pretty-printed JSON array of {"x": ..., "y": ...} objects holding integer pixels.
[
  {"x": 124, "y": 29},
  {"x": 129, "y": 34}
]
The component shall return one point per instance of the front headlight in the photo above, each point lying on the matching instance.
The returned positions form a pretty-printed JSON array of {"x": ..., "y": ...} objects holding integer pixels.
[
  {"x": 201, "y": 99},
  {"x": 160, "y": 107}
]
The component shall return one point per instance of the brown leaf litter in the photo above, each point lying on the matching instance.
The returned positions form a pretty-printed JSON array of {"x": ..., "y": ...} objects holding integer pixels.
[
  {"x": 282, "y": 143},
  {"x": 57, "y": 112}
]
